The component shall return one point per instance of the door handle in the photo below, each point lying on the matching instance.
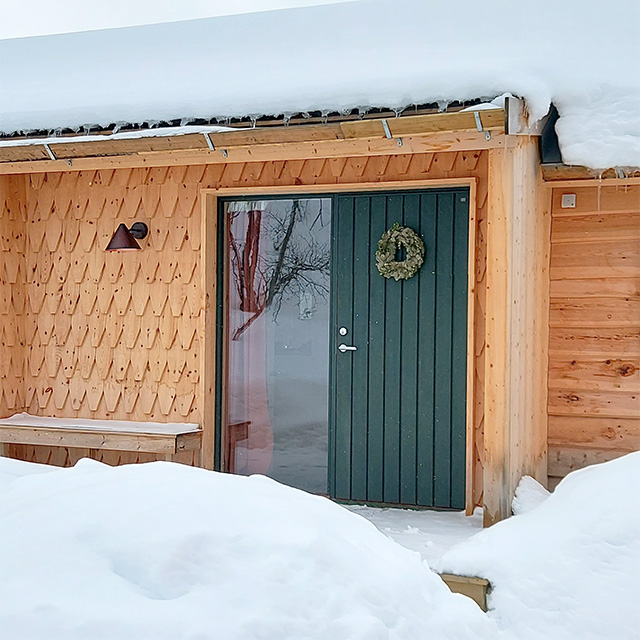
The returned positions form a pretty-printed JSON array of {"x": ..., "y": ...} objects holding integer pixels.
[{"x": 345, "y": 347}]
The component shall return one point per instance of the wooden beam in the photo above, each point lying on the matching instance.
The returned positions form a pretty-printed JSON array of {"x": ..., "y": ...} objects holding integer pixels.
[
  {"x": 565, "y": 172},
  {"x": 516, "y": 357},
  {"x": 339, "y": 148},
  {"x": 76, "y": 147}
]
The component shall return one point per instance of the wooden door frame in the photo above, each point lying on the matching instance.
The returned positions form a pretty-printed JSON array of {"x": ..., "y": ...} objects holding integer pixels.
[{"x": 209, "y": 275}]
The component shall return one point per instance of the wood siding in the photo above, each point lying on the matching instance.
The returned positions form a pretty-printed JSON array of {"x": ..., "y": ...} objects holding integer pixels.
[
  {"x": 112, "y": 335},
  {"x": 594, "y": 320}
]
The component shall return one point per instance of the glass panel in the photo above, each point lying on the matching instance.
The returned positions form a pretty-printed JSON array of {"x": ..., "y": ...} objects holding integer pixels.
[{"x": 277, "y": 339}]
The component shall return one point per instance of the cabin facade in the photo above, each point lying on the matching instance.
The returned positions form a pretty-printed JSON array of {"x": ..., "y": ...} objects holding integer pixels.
[{"x": 254, "y": 324}]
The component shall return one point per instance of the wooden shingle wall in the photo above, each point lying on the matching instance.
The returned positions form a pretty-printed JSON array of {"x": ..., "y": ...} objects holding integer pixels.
[
  {"x": 594, "y": 342},
  {"x": 120, "y": 335}
]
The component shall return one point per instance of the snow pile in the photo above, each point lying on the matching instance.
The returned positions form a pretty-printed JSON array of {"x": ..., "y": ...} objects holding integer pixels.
[
  {"x": 570, "y": 568},
  {"x": 529, "y": 494},
  {"x": 162, "y": 550},
  {"x": 578, "y": 53}
]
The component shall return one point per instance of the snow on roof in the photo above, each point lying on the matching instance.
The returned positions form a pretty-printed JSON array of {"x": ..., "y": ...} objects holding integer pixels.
[{"x": 371, "y": 53}]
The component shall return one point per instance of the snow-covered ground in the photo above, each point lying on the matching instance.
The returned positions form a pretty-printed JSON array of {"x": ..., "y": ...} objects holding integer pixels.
[
  {"x": 167, "y": 551},
  {"x": 430, "y": 533}
]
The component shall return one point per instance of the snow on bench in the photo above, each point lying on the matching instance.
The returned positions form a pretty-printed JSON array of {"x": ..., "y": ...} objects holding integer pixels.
[{"x": 167, "y": 438}]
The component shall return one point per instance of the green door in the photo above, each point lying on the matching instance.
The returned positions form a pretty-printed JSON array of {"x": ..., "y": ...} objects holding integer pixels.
[{"x": 398, "y": 401}]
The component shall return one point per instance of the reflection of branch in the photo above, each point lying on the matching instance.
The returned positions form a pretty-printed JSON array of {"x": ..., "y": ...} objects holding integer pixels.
[
  {"x": 274, "y": 281},
  {"x": 289, "y": 270}
]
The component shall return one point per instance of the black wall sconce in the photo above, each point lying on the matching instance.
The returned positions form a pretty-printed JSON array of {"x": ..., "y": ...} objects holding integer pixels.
[{"x": 126, "y": 239}]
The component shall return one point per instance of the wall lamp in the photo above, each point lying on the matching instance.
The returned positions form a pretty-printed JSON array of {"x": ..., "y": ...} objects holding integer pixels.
[{"x": 126, "y": 239}]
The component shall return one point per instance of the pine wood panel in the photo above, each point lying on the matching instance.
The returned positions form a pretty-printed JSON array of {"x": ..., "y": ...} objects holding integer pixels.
[
  {"x": 13, "y": 305},
  {"x": 595, "y": 288},
  {"x": 600, "y": 312},
  {"x": 594, "y": 342},
  {"x": 597, "y": 259},
  {"x": 611, "y": 342},
  {"x": 578, "y": 402},
  {"x": 621, "y": 434},
  {"x": 121, "y": 335},
  {"x": 596, "y": 226},
  {"x": 563, "y": 460},
  {"x": 594, "y": 372}
]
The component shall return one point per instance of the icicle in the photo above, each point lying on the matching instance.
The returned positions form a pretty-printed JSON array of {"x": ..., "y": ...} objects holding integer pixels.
[
  {"x": 443, "y": 105},
  {"x": 185, "y": 121},
  {"x": 600, "y": 174},
  {"x": 398, "y": 111},
  {"x": 620, "y": 172},
  {"x": 286, "y": 119}
]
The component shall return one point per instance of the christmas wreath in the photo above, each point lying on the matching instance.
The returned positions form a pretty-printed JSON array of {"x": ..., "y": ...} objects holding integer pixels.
[{"x": 388, "y": 245}]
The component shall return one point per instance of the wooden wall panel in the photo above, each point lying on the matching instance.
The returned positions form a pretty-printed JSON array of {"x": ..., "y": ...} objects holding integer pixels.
[
  {"x": 121, "y": 335},
  {"x": 13, "y": 305},
  {"x": 594, "y": 341}
]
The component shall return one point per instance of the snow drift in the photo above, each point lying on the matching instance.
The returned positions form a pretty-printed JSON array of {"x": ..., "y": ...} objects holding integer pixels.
[
  {"x": 372, "y": 53},
  {"x": 163, "y": 550},
  {"x": 569, "y": 567}
]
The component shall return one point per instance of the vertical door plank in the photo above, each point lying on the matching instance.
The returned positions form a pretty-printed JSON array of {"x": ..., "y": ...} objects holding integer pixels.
[
  {"x": 392, "y": 371},
  {"x": 344, "y": 317},
  {"x": 409, "y": 365},
  {"x": 442, "y": 417},
  {"x": 377, "y": 303},
  {"x": 359, "y": 336},
  {"x": 426, "y": 341}
]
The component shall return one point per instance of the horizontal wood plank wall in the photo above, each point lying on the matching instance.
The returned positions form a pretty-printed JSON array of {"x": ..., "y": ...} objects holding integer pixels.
[
  {"x": 13, "y": 216},
  {"x": 594, "y": 318},
  {"x": 113, "y": 335}
]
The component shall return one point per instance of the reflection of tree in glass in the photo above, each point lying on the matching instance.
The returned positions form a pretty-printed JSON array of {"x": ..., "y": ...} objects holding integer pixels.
[{"x": 263, "y": 282}]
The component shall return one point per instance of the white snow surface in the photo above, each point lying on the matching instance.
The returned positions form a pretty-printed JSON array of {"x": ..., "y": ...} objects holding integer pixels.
[
  {"x": 430, "y": 533},
  {"x": 87, "y": 424},
  {"x": 569, "y": 568},
  {"x": 165, "y": 551},
  {"x": 529, "y": 494},
  {"x": 580, "y": 54}
]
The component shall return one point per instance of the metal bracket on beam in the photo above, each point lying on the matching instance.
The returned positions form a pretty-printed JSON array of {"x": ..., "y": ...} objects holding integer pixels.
[
  {"x": 210, "y": 144},
  {"x": 387, "y": 131},
  {"x": 48, "y": 150},
  {"x": 487, "y": 134}
]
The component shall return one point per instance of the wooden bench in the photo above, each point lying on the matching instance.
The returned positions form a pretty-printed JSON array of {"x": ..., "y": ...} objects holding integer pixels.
[{"x": 165, "y": 439}]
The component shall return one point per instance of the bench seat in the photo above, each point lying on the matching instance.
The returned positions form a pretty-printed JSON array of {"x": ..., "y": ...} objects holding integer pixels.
[{"x": 116, "y": 435}]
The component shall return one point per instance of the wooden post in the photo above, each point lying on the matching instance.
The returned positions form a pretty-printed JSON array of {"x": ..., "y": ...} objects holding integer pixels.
[
  {"x": 516, "y": 335},
  {"x": 208, "y": 266}
]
